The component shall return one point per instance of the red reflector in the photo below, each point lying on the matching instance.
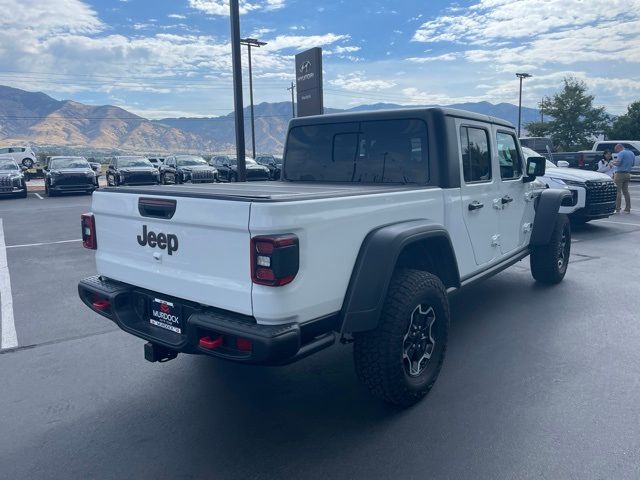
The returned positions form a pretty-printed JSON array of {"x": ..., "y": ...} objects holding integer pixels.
[
  {"x": 243, "y": 344},
  {"x": 210, "y": 343},
  {"x": 264, "y": 248},
  {"x": 265, "y": 274},
  {"x": 101, "y": 304}
]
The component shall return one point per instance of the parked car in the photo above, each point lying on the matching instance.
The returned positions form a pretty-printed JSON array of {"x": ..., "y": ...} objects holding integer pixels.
[
  {"x": 65, "y": 174},
  {"x": 227, "y": 166},
  {"x": 273, "y": 163},
  {"x": 131, "y": 170},
  {"x": 593, "y": 194},
  {"x": 540, "y": 145},
  {"x": 12, "y": 179},
  {"x": 633, "y": 145},
  {"x": 156, "y": 161},
  {"x": 583, "y": 160},
  {"x": 22, "y": 155},
  {"x": 187, "y": 168},
  {"x": 365, "y": 239}
]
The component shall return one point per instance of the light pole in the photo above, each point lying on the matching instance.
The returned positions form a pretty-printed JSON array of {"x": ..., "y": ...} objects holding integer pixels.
[
  {"x": 234, "y": 15},
  {"x": 293, "y": 103},
  {"x": 521, "y": 76},
  {"x": 252, "y": 42}
]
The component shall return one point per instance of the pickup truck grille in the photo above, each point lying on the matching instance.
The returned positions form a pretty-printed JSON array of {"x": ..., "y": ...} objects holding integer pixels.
[
  {"x": 601, "y": 191},
  {"x": 601, "y": 197},
  {"x": 202, "y": 176},
  {"x": 7, "y": 183}
]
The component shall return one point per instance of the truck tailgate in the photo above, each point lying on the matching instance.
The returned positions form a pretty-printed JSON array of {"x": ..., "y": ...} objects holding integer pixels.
[{"x": 200, "y": 254}]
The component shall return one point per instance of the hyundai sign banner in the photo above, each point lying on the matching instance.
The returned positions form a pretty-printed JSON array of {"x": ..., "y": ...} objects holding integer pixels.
[{"x": 309, "y": 82}]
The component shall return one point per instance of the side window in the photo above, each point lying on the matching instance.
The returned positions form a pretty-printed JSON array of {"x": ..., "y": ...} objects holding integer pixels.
[
  {"x": 508, "y": 156},
  {"x": 605, "y": 146},
  {"x": 631, "y": 148},
  {"x": 4, "y": 150},
  {"x": 476, "y": 159}
]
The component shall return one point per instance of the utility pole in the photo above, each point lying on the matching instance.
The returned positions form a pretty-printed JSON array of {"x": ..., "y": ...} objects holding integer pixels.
[
  {"x": 293, "y": 103},
  {"x": 237, "y": 88},
  {"x": 252, "y": 42},
  {"x": 521, "y": 76}
]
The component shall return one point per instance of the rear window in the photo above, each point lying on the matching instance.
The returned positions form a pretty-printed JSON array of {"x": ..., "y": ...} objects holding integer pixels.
[{"x": 384, "y": 151}]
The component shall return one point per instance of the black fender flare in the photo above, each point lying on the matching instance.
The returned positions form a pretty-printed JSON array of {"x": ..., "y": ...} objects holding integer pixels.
[
  {"x": 375, "y": 265},
  {"x": 547, "y": 206}
]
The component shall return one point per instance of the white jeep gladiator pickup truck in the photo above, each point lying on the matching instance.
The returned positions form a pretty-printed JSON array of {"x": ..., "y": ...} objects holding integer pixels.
[{"x": 377, "y": 219}]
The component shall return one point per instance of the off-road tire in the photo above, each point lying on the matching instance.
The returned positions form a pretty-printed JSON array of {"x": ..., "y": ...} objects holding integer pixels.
[
  {"x": 27, "y": 162},
  {"x": 24, "y": 193},
  {"x": 549, "y": 262},
  {"x": 379, "y": 354}
]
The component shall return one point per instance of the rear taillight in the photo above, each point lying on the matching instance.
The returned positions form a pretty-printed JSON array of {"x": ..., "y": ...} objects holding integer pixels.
[
  {"x": 581, "y": 161},
  {"x": 274, "y": 259},
  {"x": 89, "y": 239}
]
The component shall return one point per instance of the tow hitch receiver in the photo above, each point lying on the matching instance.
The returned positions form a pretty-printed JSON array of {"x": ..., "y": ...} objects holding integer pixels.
[{"x": 157, "y": 353}]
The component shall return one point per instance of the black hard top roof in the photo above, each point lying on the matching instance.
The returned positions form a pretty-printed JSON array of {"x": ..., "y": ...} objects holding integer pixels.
[{"x": 424, "y": 112}]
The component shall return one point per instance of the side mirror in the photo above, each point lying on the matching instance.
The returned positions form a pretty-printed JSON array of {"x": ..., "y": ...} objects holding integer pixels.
[
  {"x": 563, "y": 164},
  {"x": 535, "y": 168}
]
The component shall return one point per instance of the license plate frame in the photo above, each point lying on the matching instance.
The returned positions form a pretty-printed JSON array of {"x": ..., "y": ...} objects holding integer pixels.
[{"x": 166, "y": 314}]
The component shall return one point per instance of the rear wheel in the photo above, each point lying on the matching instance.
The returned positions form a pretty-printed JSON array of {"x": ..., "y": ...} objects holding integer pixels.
[
  {"x": 400, "y": 360},
  {"x": 233, "y": 177},
  {"x": 549, "y": 262},
  {"x": 27, "y": 162}
]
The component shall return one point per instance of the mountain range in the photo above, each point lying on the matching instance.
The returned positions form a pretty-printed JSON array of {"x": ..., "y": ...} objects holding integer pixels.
[{"x": 39, "y": 120}]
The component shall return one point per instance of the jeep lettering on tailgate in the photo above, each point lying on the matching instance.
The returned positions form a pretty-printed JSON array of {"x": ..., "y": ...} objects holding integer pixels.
[{"x": 164, "y": 241}]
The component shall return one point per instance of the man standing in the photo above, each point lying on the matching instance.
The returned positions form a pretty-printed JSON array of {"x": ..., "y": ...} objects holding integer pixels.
[{"x": 622, "y": 176}]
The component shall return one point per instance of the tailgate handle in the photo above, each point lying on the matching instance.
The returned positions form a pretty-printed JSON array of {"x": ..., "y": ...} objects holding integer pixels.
[{"x": 156, "y": 207}]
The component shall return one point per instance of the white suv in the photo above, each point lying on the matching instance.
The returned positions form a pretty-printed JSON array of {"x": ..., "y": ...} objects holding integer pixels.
[{"x": 22, "y": 155}]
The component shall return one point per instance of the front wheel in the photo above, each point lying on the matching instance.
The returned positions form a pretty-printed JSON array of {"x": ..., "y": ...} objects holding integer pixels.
[
  {"x": 47, "y": 190},
  {"x": 233, "y": 177},
  {"x": 400, "y": 360},
  {"x": 549, "y": 262},
  {"x": 24, "y": 193}
]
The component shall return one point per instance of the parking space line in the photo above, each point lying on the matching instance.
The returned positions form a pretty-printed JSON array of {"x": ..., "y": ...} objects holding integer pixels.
[
  {"x": 8, "y": 337},
  {"x": 38, "y": 195},
  {"x": 619, "y": 223},
  {"x": 43, "y": 243}
]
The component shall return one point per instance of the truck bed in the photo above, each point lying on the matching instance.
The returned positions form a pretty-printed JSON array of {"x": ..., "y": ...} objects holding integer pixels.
[{"x": 263, "y": 191}]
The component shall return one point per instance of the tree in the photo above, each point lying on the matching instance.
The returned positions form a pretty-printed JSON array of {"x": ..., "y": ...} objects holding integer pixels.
[
  {"x": 574, "y": 120},
  {"x": 627, "y": 126},
  {"x": 537, "y": 129}
]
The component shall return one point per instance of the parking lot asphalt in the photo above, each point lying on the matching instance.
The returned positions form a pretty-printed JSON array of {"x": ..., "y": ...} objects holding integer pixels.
[{"x": 539, "y": 382}]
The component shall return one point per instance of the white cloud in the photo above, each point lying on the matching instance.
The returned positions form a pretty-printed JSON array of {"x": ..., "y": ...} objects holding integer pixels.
[
  {"x": 177, "y": 15},
  {"x": 357, "y": 82},
  {"x": 299, "y": 42},
  {"x": 446, "y": 57},
  {"x": 221, "y": 7}
]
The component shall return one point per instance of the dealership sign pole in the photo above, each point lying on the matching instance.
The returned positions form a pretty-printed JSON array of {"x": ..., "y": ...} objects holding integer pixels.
[
  {"x": 237, "y": 87},
  {"x": 309, "y": 82}
]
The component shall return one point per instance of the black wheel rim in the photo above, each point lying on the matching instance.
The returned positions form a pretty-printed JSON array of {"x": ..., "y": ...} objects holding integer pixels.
[{"x": 419, "y": 342}]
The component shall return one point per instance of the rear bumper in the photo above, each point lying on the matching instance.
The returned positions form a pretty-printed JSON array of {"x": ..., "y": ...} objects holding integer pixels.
[{"x": 270, "y": 344}]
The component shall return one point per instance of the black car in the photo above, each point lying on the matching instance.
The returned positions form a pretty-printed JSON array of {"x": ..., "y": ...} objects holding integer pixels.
[
  {"x": 187, "y": 168},
  {"x": 273, "y": 163},
  {"x": 131, "y": 170},
  {"x": 69, "y": 174},
  {"x": 156, "y": 161},
  {"x": 227, "y": 166},
  {"x": 12, "y": 181}
]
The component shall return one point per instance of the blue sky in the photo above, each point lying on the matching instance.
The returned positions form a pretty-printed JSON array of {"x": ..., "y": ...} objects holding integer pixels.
[{"x": 171, "y": 58}]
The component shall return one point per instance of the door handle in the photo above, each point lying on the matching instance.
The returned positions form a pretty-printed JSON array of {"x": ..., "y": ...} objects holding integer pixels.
[
  {"x": 475, "y": 205},
  {"x": 506, "y": 199}
]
